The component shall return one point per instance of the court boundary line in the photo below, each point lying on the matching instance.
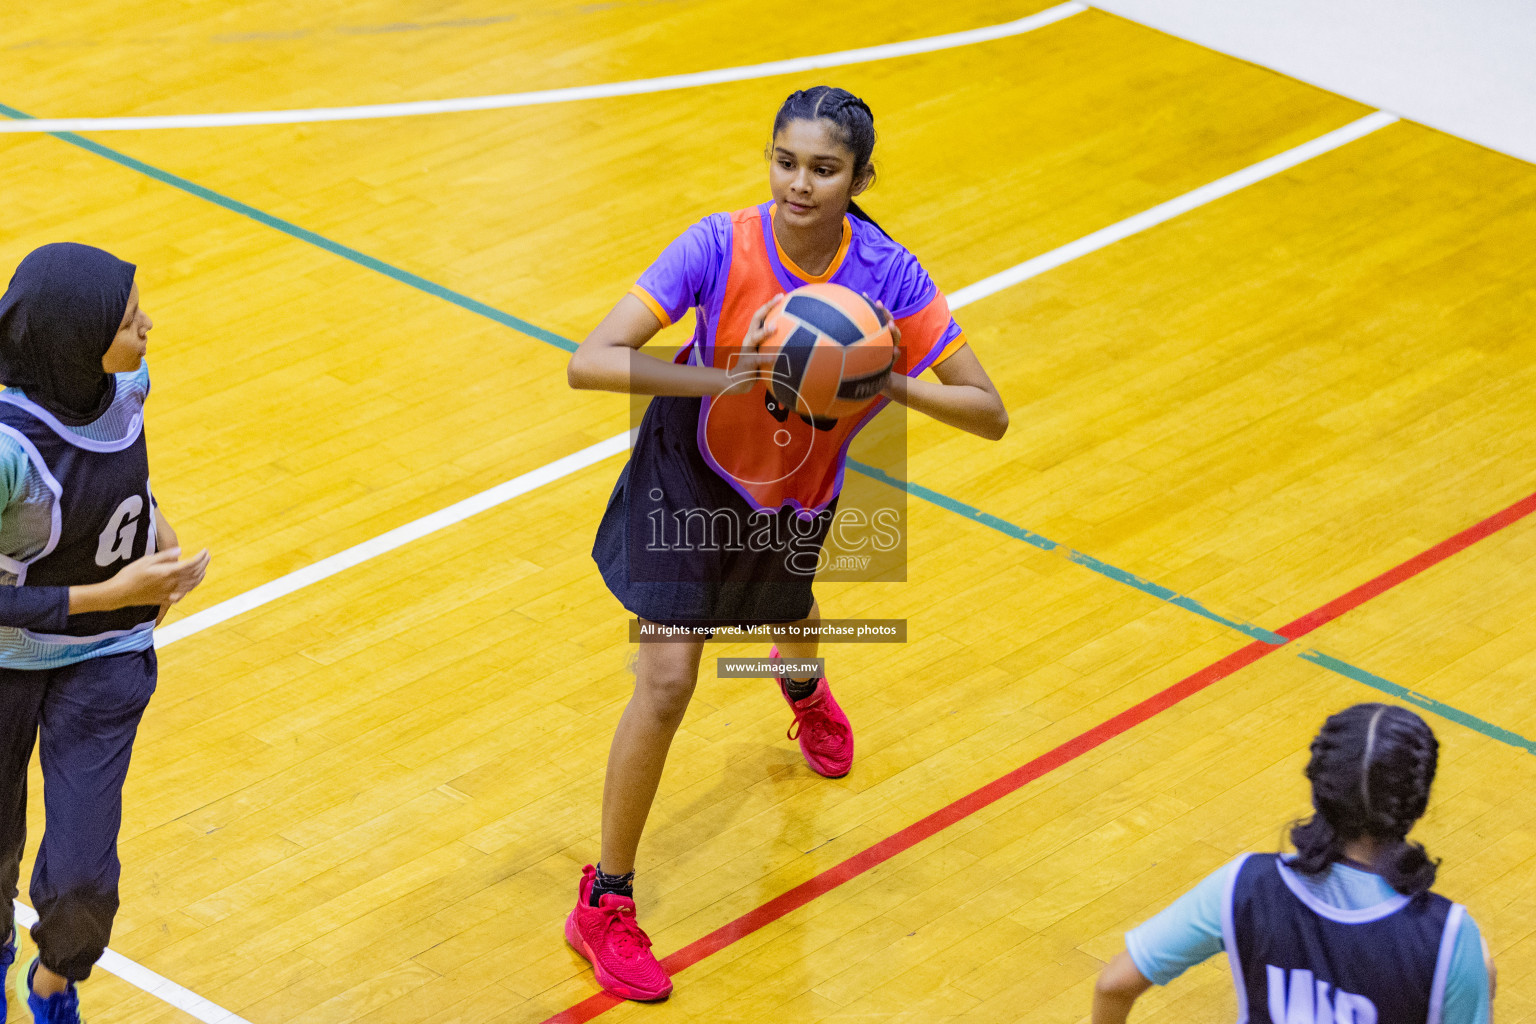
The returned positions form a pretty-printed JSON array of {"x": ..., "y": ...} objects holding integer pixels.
[
  {"x": 390, "y": 540},
  {"x": 1170, "y": 596},
  {"x": 1127, "y": 227},
  {"x": 1064, "y": 753},
  {"x": 1166, "y": 211},
  {"x": 146, "y": 980},
  {"x": 543, "y": 97},
  {"x": 1030, "y": 537},
  {"x": 293, "y": 230},
  {"x": 1424, "y": 701}
]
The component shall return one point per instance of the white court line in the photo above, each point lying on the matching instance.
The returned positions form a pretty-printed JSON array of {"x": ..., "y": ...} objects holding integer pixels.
[
  {"x": 142, "y": 977},
  {"x": 517, "y": 486},
  {"x": 398, "y": 537},
  {"x": 211, "y": 1013},
  {"x": 635, "y": 87},
  {"x": 1172, "y": 208}
]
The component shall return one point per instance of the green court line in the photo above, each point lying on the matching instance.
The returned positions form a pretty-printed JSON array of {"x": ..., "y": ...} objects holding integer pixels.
[
  {"x": 934, "y": 497},
  {"x": 1402, "y": 693},
  {"x": 305, "y": 235},
  {"x": 1146, "y": 586},
  {"x": 1163, "y": 593}
]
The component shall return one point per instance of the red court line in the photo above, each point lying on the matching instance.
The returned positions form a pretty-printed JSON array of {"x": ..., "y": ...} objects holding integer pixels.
[{"x": 995, "y": 790}]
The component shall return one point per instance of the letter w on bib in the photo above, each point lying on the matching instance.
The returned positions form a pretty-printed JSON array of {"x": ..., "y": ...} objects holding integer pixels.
[{"x": 1306, "y": 1001}]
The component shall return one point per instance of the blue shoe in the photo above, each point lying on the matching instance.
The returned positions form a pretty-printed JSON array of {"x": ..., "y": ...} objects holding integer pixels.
[
  {"x": 59, "y": 1008},
  {"x": 7, "y": 957}
]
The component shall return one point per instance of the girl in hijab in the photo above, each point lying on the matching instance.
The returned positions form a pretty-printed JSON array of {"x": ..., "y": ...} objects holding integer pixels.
[{"x": 91, "y": 565}]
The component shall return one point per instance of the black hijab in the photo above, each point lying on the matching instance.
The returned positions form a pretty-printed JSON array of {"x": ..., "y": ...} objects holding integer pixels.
[{"x": 57, "y": 319}]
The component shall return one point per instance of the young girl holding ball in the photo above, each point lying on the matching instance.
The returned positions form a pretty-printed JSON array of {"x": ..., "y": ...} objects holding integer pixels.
[{"x": 702, "y": 449}]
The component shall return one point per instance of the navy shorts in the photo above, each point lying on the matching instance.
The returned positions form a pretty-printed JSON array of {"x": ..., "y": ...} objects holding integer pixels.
[{"x": 679, "y": 546}]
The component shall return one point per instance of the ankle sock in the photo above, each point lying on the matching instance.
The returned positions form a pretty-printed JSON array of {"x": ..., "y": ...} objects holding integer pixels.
[
  {"x": 612, "y": 885},
  {"x": 799, "y": 689}
]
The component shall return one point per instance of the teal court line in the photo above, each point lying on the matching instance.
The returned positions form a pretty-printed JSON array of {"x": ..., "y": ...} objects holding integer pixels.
[
  {"x": 305, "y": 235},
  {"x": 1146, "y": 586},
  {"x": 524, "y": 327},
  {"x": 1163, "y": 593},
  {"x": 1402, "y": 693}
]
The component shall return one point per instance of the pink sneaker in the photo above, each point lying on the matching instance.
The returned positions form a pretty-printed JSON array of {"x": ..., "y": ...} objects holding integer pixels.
[
  {"x": 825, "y": 735},
  {"x": 611, "y": 939}
]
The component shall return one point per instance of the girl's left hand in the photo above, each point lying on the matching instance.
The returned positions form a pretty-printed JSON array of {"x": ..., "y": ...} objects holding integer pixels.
[{"x": 751, "y": 364}]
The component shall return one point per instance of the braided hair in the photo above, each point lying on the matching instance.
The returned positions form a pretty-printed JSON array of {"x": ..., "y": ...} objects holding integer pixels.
[
  {"x": 854, "y": 121},
  {"x": 1371, "y": 769}
]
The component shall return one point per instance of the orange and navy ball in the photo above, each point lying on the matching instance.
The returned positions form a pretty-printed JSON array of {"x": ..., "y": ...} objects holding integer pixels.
[{"x": 833, "y": 352}]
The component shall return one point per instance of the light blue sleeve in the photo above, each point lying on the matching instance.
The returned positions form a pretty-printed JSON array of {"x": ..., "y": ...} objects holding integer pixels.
[
  {"x": 1185, "y": 933},
  {"x": 1466, "y": 986}
]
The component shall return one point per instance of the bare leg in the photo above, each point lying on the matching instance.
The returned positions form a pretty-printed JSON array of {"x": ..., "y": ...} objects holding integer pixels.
[
  {"x": 799, "y": 649},
  {"x": 665, "y": 675},
  {"x": 45, "y": 983}
]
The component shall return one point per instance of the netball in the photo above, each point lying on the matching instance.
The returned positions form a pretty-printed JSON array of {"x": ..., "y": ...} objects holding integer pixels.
[{"x": 833, "y": 351}]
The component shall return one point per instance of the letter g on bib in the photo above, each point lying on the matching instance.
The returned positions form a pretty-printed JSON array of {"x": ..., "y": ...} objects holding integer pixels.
[{"x": 116, "y": 541}]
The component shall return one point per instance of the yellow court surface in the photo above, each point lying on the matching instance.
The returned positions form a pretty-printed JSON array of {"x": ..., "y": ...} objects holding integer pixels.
[{"x": 1242, "y": 434}]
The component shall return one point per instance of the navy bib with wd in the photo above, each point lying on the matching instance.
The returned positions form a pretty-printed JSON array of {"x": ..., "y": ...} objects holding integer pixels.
[{"x": 1297, "y": 960}]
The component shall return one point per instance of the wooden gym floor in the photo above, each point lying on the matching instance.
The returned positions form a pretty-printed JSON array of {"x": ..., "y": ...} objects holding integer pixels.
[{"x": 369, "y": 800}]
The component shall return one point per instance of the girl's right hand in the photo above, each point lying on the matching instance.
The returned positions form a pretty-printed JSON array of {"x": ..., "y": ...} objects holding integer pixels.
[{"x": 158, "y": 579}]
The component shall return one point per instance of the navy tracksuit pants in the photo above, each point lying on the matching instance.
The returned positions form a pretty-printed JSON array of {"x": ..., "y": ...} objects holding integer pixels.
[{"x": 86, "y": 716}]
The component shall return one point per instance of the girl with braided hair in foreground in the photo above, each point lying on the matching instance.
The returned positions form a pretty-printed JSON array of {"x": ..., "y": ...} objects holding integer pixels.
[
  {"x": 710, "y": 444},
  {"x": 1347, "y": 930}
]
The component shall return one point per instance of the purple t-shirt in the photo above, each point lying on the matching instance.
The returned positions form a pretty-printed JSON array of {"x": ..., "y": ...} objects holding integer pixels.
[{"x": 696, "y": 269}]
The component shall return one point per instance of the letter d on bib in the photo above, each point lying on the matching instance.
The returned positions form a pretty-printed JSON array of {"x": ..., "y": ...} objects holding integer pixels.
[{"x": 117, "y": 539}]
